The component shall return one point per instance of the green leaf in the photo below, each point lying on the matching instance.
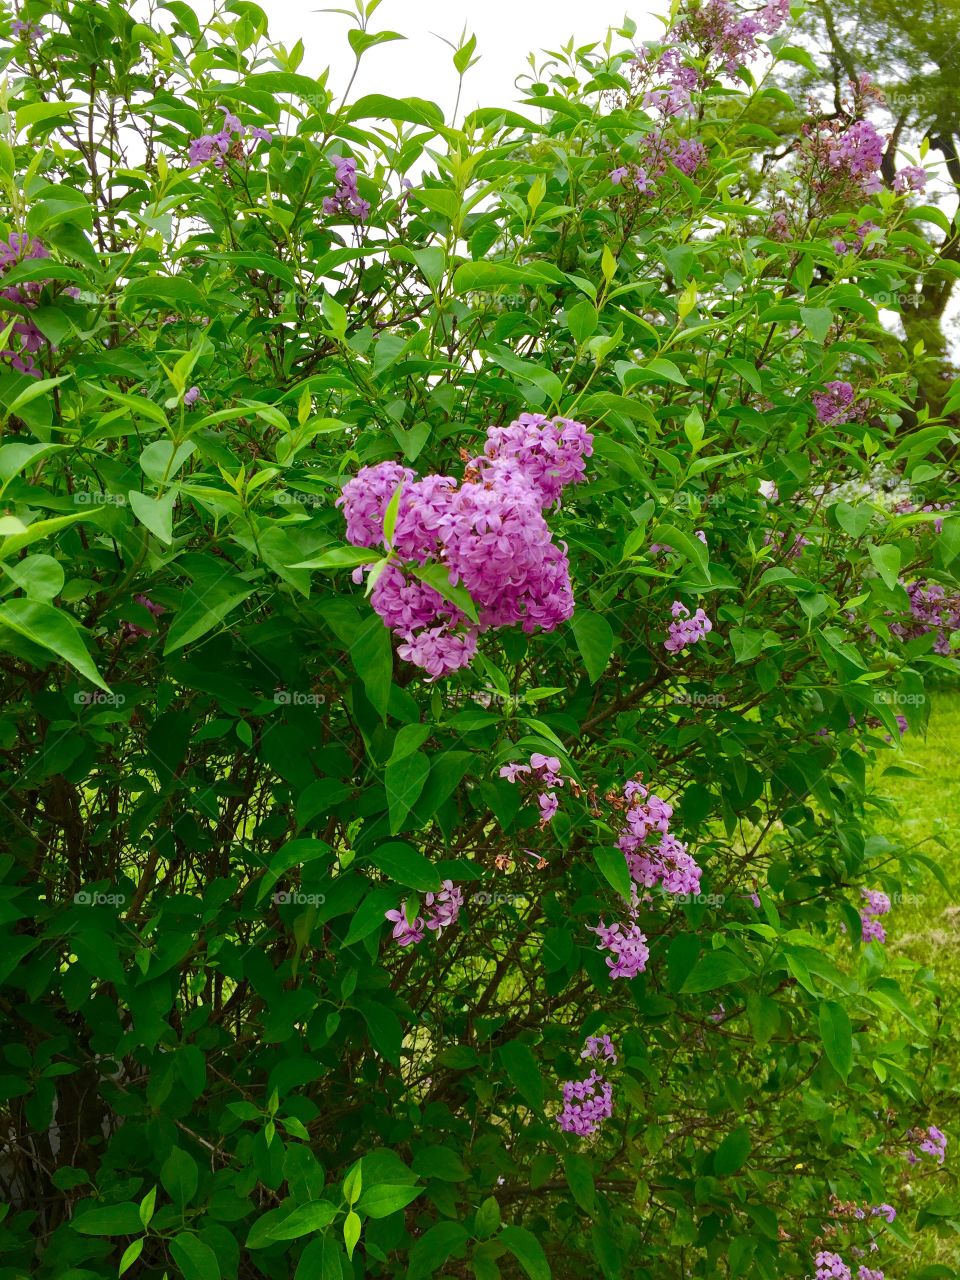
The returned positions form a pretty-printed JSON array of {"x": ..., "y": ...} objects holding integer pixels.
[
  {"x": 112, "y": 1220},
  {"x": 381, "y": 1201},
  {"x": 438, "y": 577},
  {"x": 52, "y": 630},
  {"x": 407, "y": 866},
  {"x": 304, "y": 1221},
  {"x": 370, "y": 914},
  {"x": 439, "y": 1162},
  {"x": 582, "y": 320},
  {"x": 404, "y": 780},
  {"x": 579, "y": 1175},
  {"x": 130, "y": 1255},
  {"x": 526, "y": 1248},
  {"x": 434, "y": 1247},
  {"x": 613, "y": 867},
  {"x": 180, "y": 1176},
  {"x": 886, "y": 561},
  {"x": 377, "y": 106},
  {"x": 524, "y": 1071},
  {"x": 715, "y": 969},
  {"x": 196, "y": 1260},
  {"x": 207, "y": 602},
  {"x": 817, "y": 321},
  {"x": 372, "y": 656},
  {"x": 837, "y": 1036},
  {"x": 732, "y": 1152},
  {"x": 594, "y": 637},
  {"x": 155, "y": 513},
  {"x": 853, "y": 520},
  {"x": 38, "y": 112}
]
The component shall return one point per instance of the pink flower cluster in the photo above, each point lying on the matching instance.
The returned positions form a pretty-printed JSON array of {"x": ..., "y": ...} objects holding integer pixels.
[
  {"x": 727, "y": 38},
  {"x": 489, "y": 534},
  {"x": 685, "y": 629},
  {"x": 667, "y": 862},
  {"x": 587, "y": 1103},
  {"x": 878, "y": 904},
  {"x": 542, "y": 771},
  {"x": 933, "y": 1142},
  {"x": 931, "y": 610},
  {"x": 907, "y": 507},
  {"x": 836, "y": 404},
  {"x": 627, "y": 945},
  {"x": 910, "y": 178},
  {"x": 443, "y": 908},
  {"x": 859, "y": 231},
  {"x": 20, "y": 248},
  {"x": 214, "y": 146},
  {"x": 346, "y": 199},
  {"x": 656, "y": 152},
  {"x": 830, "y": 1266},
  {"x": 858, "y": 152}
]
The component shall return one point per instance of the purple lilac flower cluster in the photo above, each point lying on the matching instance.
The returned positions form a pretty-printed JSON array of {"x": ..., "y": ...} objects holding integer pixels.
[
  {"x": 667, "y": 862},
  {"x": 846, "y": 157},
  {"x": 933, "y": 1142},
  {"x": 587, "y": 1103},
  {"x": 25, "y": 31},
  {"x": 777, "y": 538},
  {"x": 626, "y": 943},
  {"x": 215, "y": 146},
  {"x": 656, "y": 152},
  {"x": 877, "y": 905},
  {"x": 910, "y": 178},
  {"x": 488, "y": 533},
  {"x": 542, "y": 771},
  {"x": 931, "y": 610},
  {"x": 836, "y": 404},
  {"x": 443, "y": 908},
  {"x": 686, "y": 629},
  {"x": 859, "y": 232},
  {"x": 20, "y": 248},
  {"x": 906, "y": 507},
  {"x": 728, "y": 38},
  {"x": 346, "y": 199}
]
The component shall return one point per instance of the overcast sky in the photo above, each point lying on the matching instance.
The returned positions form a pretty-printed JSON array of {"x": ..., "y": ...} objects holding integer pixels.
[{"x": 422, "y": 66}]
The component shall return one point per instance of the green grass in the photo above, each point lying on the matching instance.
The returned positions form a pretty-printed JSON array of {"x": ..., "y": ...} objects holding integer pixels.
[{"x": 924, "y": 815}]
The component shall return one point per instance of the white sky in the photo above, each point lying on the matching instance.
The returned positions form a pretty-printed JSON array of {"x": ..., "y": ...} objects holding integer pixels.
[{"x": 422, "y": 66}]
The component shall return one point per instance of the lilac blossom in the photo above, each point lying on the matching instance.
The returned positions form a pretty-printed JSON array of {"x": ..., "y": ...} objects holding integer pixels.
[
  {"x": 910, "y": 178},
  {"x": 406, "y": 933},
  {"x": 346, "y": 199},
  {"x": 627, "y": 945},
  {"x": 830, "y": 1266},
  {"x": 835, "y": 404},
  {"x": 600, "y": 1048},
  {"x": 686, "y": 629},
  {"x": 22, "y": 248},
  {"x": 586, "y": 1104},
  {"x": 191, "y": 397}
]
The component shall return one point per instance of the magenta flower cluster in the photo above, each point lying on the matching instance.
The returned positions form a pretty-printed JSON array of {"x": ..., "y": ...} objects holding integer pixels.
[
  {"x": 626, "y": 943},
  {"x": 542, "y": 771},
  {"x": 910, "y": 178},
  {"x": 931, "y": 610},
  {"x": 655, "y": 153},
  {"x": 933, "y": 1142},
  {"x": 877, "y": 905},
  {"x": 587, "y": 1103},
  {"x": 21, "y": 248},
  {"x": 859, "y": 232},
  {"x": 686, "y": 629},
  {"x": 836, "y": 404},
  {"x": 442, "y": 910},
  {"x": 346, "y": 199},
  {"x": 488, "y": 533},
  {"x": 666, "y": 862},
  {"x": 215, "y": 146}
]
